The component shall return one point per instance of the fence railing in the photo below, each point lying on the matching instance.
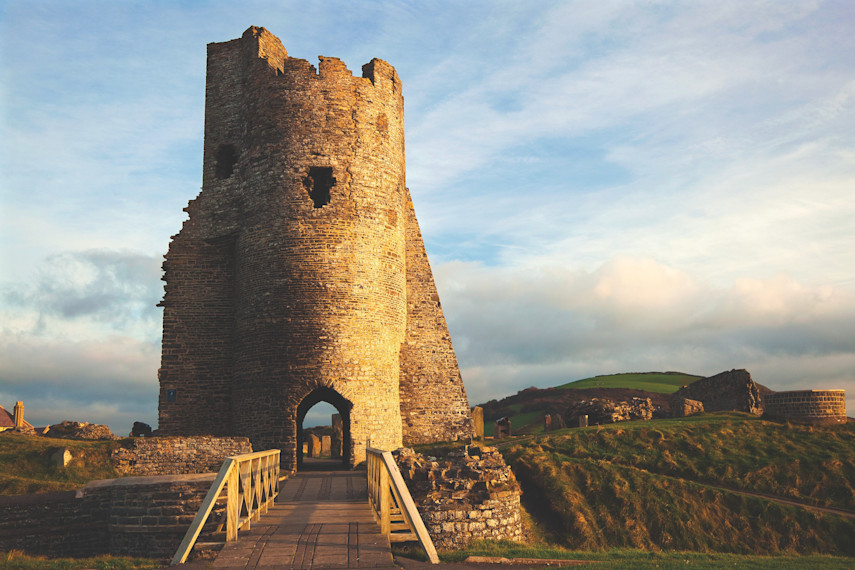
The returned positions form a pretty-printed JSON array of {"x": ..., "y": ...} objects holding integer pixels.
[
  {"x": 392, "y": 504},
  {"x": 251, "y": 483}
]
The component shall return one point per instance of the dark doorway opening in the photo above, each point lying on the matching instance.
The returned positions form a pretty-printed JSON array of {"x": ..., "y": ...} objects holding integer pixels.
[{"x": 343, "y": 407}]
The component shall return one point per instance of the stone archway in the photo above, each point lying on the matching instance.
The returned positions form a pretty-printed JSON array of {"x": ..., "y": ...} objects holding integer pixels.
[{"x": 342, "y": 406}]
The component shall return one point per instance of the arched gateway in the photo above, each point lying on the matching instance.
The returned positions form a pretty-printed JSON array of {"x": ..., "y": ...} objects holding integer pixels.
[
  {"x": 301, "y": 271},
  {"x": 343, "y": 408}
]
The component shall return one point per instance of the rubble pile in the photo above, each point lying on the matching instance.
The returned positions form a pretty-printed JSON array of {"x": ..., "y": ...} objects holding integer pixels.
[{"x": 466, "y": 494}]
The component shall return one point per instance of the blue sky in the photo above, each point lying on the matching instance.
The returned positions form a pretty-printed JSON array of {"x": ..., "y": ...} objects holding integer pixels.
[{"x": 602, "y": 186}]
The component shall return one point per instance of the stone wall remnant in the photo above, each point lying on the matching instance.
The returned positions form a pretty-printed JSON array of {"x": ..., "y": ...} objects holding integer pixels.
[
  {"x": 133, "y": 516},
  {"x": 808, "y": 406},
  {"x": 140, "y": 429},
  {"x": 502, "y": 428},
  {"x": 601, "y": 411},
  {"x": 80, "y": 430},
  {"x": 18, "y": 415},
  {"x": 61, "y": 457},
  {"x": 478, "y": 422},
  {"x": 727, "y": 391},
  {"x": 463, "y": 495},
  {"x": 682, "y": 407},
  {"x": 176, "y": 455},
  {"x": 314, "y": 446}
]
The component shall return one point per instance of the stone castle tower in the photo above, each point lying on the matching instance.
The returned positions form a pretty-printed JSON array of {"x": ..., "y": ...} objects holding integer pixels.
[{"x": 301, "y": 275}]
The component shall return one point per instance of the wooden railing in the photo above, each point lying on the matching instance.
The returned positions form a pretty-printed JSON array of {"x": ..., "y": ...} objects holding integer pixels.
[
  {"x": 392, "y": 504},
  {"x": 251, "y": 483}
]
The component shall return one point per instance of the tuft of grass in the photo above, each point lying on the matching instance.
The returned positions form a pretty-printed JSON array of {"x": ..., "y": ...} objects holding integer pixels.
[
  {"x": 26, "y": 467},
  {"x": 660, "y": 382},
  {"x": 17, "y": 560}
]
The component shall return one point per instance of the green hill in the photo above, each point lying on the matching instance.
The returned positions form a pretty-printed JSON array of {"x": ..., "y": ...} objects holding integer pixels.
[
  {"x": 659, "y": 382},
  {"x": 671, "y": 485},
  {"x": 527, "y": 407}
]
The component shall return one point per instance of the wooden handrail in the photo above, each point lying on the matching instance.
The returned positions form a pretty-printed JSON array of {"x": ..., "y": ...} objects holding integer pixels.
[
  {"x": 383, "y": 477},
  {"x": 251, "y": 483}
]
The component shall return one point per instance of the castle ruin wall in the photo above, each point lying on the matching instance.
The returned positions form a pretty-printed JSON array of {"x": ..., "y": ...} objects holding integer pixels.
[{"x": 809, "y": 406}]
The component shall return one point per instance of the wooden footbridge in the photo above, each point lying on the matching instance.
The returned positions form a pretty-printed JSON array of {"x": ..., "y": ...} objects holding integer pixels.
[{"x": 314, "y": 519}]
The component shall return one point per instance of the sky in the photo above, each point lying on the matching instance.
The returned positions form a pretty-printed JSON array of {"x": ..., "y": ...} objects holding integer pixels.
[{"x": 602, "y": 186}]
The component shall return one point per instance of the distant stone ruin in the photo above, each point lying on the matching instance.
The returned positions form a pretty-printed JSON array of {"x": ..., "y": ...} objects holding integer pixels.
[
  {"x": 728, "y": 391},
  {"x": 80, "y": 430},
  {"x": 682, "y": 407},
  {"x": 600, "y": 411},
  {"x": 301, "y": 275},
  {"x": 808, "y": 406}
]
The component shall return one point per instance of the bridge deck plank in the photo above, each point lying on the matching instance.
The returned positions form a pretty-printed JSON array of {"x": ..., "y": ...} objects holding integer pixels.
[{"x": 320, "y": 520}]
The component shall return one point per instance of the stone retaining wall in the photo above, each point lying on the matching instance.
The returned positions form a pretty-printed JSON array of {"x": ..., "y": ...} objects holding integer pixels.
[
  {"x": 177, "y": 455},
  {"x": 812, "y": 406},
  {"x": 134, "y": 516},
  {"x": 464, "y": 495},
  {"x": 54, "y": 524}
]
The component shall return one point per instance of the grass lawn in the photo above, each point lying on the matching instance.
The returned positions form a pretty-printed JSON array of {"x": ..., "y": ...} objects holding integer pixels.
[{"x": 660, "y": 382}]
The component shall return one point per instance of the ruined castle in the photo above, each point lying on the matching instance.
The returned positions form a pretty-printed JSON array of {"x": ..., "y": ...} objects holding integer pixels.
[{"x": 301, "y": 275}]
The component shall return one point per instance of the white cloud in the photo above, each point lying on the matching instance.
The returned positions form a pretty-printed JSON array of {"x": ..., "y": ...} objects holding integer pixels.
[{"x": 515, "y": 328}]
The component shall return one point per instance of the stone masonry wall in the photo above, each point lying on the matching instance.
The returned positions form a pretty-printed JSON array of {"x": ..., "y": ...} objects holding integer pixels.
[
  {"x": 149, "y": 516},
  {"x": 177, "y": 455},
  {"x": 464, "y": 495},
  {"x": 55, "y": 524},
  {"x": 434, "y": 406},
  {"x": 732, "y": 390},
  {"x": 813, "y": 406},
  {"x": 134, "y": 516},
  {"x": 289, "y": 283}
]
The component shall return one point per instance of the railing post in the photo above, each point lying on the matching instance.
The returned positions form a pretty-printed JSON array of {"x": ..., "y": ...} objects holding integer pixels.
[
  {"x": 385, "y": 503},
  {"x": 232, "y": 508}
]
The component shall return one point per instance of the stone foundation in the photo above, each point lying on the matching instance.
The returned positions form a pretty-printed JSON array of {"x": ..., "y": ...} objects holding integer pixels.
[
  {"x": 464, "y": 495},
  {"x": 809, "y": 406},
  {"x": 177, "y": 455}
]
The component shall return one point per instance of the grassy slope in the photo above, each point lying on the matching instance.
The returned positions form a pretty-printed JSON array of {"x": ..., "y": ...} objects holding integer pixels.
[
  {"x": 25, "y": 465},
  {"x": 660, "y": 382},
  {"x": 642, "y": 485}
]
